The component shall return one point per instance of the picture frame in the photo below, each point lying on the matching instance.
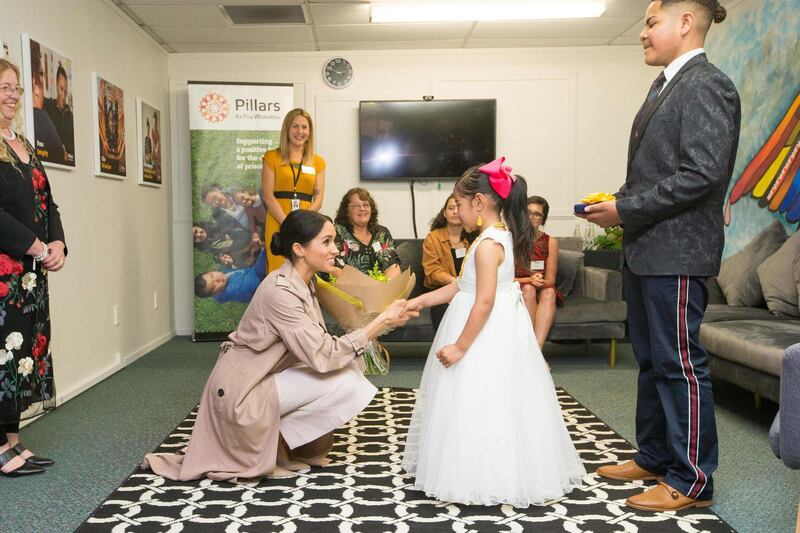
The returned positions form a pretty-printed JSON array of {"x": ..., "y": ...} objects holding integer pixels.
[
  {"x": 108, "y": 125},
  {"x": 148, "y": 141},
  {"x": 48, "y": 100}
]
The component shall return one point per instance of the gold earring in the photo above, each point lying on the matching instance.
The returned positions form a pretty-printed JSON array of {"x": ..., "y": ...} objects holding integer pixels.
[{"x": 479, "y": 222}]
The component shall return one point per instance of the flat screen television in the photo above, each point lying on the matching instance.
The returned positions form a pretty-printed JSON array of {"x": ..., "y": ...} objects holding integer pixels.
[{"x": 425, "y": 140}]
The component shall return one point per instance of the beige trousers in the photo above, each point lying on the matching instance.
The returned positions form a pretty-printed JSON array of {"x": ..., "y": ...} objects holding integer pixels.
[{"x": 314, "y": 404}]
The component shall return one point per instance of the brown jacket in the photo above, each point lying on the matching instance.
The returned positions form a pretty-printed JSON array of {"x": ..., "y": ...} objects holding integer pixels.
[
  {"x": 236, "y": 432},
  {"x": 437, "y": 259}
]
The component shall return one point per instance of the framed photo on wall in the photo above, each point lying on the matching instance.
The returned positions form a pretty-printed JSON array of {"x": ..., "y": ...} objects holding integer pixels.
[
  {"x": 47, "y": 78},
  {"x": 109, "y": 128},
  {"x": 148, "y": 140}
]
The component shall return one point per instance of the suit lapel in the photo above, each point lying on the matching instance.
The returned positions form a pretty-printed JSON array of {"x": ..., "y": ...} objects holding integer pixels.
[{"x": 640, "y": 126}]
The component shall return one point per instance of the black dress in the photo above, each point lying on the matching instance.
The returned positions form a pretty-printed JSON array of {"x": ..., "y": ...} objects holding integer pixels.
[{"x": 27, "y": 211}]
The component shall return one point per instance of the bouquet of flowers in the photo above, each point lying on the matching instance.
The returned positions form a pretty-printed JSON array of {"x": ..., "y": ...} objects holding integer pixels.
[{"x": 354, "y": 299}]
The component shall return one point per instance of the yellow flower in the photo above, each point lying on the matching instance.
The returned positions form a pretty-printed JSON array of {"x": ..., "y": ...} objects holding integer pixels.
[{"x": 597, "y": 197}]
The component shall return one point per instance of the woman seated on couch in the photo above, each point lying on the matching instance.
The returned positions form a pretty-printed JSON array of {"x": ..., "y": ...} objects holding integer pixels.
[
  {"x": 443, "y": 252},
  {"x": 538, "y": 282},
  {"x": 362, "y": 242}
]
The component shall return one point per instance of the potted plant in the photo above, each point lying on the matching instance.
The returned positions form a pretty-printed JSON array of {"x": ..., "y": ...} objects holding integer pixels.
[{"x": 605, "y": 250}]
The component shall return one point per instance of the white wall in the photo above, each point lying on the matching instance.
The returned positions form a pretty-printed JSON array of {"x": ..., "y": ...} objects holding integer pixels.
[
  {"x": 117, "y": 231},
  {"x": 563, "y": 121}
]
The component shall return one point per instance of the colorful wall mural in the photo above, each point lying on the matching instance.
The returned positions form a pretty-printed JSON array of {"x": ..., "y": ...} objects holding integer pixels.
[{"x": 757, "y": 46}]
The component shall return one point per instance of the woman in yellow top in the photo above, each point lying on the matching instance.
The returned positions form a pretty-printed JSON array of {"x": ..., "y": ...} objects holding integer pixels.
[{"x": 292, "y": 175}]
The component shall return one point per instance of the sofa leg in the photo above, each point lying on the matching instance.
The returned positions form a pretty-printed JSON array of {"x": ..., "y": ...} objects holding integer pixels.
[
  {"x": 757, "y": 401},
  {"x": 613, "y": 355}
]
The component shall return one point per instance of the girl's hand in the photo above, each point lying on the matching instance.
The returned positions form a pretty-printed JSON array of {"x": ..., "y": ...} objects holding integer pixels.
[
  {"x": 450, "y": 355},
  {"x": 414, "y": 305},
  {"x": 537, "y": 279}
]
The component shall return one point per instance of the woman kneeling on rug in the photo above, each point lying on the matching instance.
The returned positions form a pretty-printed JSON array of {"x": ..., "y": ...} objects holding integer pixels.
[{"x": 282, "y": 383}]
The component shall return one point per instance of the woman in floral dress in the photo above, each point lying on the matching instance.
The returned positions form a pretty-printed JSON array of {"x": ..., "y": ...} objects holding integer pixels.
[
  {"x": 362, "y": 242},
  {"x": 31, "y": 244}
]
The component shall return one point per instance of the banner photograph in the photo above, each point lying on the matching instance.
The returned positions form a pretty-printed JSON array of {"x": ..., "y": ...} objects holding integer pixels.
[{"x": 231, "y": 126}]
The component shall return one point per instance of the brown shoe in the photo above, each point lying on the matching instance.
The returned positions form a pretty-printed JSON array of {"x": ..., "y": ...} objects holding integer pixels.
[
  {"x": 662, "y": 497},
  {"x": 628, "y": 471}
]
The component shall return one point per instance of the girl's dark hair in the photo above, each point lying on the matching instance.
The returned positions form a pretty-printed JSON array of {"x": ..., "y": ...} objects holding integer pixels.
[
  {"x": 439, "y": 221},
  {"x": 513, "y": 208},
  {"x": 538, "y": 200},
  {"x": 341, "y": 213},
  {"x": 299, "y": 226}
]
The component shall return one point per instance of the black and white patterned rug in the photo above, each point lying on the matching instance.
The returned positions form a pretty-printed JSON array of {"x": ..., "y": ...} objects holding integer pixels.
[{"x": 366, "y": 490}]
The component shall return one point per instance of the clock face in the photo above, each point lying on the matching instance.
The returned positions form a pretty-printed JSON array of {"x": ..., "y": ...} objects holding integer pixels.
[{"x": 338, "y": 72}]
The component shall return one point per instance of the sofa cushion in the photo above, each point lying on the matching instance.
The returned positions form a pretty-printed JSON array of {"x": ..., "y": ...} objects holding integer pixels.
[
  {"x": 776, "y": 275},
  {"x": 737, "y": 274},
  {"x": 797, "y": 277},
  {"x": 757, "y": 344},
  {"x": 723, "y": 313},
  {"x": 568, "y": 263},
  {"x": 580, "y": 309},
  {"x": 410, "y": 253}
]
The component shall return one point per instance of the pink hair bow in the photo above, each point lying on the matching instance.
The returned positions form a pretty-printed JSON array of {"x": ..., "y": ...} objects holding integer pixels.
[{"x": 500, "y": 177}]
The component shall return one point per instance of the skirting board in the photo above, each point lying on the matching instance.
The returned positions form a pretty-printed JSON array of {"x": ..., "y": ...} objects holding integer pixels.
[{"x": 112, "y": 369}]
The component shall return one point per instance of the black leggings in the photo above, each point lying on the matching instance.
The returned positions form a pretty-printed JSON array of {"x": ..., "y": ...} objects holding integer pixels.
[{"x": 8, "y": 428}]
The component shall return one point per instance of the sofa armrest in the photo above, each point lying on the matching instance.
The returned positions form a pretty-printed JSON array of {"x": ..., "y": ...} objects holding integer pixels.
[
  {"x": 785, "y": 433},
  {"x": 601, "y": 284}
]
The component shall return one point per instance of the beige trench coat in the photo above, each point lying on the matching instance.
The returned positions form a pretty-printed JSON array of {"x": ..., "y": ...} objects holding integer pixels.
[{"x": 236, "y": 432}]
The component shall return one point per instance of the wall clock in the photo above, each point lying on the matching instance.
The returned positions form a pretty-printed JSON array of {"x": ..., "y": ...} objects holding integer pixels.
[{"x": 337, "y": 72}]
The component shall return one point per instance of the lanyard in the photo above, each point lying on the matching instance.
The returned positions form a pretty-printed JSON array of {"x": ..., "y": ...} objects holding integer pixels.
[{"x": 295, "y": 177}]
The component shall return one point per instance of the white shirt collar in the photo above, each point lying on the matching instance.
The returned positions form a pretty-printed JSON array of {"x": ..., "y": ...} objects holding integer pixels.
[{"x": 679, "y": 62}]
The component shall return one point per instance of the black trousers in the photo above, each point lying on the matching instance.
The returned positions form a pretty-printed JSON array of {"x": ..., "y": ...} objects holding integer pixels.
[
  {"x": 8, "y": 428},
  {"x": 675, "y": 425}
]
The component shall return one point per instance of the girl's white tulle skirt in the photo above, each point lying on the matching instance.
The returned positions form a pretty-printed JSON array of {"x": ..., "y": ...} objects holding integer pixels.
[{"x": 489, "y": 430}]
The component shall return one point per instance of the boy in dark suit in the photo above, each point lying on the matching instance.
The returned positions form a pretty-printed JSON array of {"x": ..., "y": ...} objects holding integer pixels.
[{"x": 680, "y": 159}]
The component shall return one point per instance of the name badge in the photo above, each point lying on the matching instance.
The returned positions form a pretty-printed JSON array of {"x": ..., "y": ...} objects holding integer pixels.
[
  {"x": 377, "y": 247},
  {"x": 537, "y": 265},
  {"x": 295, "y": 204},
  {"x": 460, "y": 252},
  {"x": 311, "y": 171}
]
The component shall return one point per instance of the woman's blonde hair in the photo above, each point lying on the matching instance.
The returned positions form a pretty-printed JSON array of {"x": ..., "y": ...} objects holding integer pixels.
[
  {"x": 16, "y": 123},
  {"x": 308, "y": 149}
]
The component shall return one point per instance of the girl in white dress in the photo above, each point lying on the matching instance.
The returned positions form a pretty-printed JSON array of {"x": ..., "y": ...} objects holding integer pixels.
[{"x": 487, "y": 427}]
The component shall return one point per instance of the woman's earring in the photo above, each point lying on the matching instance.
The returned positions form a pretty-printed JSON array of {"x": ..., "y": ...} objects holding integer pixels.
[{"x": 479, "y": 222}]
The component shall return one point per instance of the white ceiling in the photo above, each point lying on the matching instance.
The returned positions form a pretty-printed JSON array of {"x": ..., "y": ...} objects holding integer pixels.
[{"x": 201, "y": 26}]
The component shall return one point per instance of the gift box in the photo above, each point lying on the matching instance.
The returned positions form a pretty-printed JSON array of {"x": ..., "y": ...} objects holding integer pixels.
[
  {"x": 593, "y": 198},
  {"x": 354, "y": 299}
]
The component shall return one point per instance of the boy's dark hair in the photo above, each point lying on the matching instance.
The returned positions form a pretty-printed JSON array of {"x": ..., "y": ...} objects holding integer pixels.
[
  {"x": 61, "y": 72},
  {"x": 715, "y": 12},
  {"x": 201, "y": 287},
  {"x": 207, "y": 188}
]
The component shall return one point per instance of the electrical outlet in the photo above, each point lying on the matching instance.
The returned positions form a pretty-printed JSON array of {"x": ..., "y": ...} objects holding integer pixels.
[
  {"x": 155, "y": 299},
  {"x": 116, "y": 315}
]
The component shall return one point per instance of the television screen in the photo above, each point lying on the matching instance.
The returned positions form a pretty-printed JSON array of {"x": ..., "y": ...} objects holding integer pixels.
[{"x": 437, "y": 139}]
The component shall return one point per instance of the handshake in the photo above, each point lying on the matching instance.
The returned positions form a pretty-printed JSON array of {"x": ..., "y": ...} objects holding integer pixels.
[{"x": 399, "y": 312}]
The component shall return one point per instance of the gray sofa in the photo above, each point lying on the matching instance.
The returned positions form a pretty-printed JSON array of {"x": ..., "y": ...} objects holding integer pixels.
[
  {"x": 746, "y": 344},
  {"x": 753, "y": 313},
  {"x": 593, "y": 307}
]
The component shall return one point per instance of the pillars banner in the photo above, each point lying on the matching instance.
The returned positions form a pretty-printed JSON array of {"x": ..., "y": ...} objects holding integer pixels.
[{"x": 231, "y": 126}]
